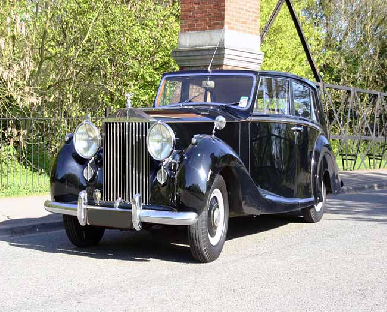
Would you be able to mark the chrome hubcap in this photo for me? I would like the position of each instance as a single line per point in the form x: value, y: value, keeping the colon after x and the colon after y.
x: 216, y: 219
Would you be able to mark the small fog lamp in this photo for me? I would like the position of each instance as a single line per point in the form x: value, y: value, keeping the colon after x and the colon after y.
x: 162, y: 176
x: 88, y: 172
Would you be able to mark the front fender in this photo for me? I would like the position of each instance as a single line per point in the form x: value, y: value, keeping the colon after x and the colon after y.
x: 201, y: 162
x: 67, y: 179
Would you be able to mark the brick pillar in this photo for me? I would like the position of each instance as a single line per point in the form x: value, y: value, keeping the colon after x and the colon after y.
x: 233, y: 24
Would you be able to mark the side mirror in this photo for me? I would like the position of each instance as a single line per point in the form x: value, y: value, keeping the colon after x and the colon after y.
x: 219, y: 124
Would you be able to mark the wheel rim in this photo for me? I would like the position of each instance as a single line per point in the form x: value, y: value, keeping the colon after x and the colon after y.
x: 215, y: 217
x: 320, y: 205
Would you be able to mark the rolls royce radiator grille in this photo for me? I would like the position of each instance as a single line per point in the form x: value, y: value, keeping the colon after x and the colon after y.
x: 126, y: 161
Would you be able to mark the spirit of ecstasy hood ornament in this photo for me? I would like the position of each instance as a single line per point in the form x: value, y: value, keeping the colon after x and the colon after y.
x: 128, y: 100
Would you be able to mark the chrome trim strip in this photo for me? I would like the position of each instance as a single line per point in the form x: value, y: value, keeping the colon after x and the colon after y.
x: 136, y: 212
x: 168, y: 217
x: 81, y: 208
x: 285, y: 119
x: 125, y: 119
x: 63, y: 208
x: 146, y: 215
x: 288, y: 201
x: 284, y: 200
x: 295, y: 128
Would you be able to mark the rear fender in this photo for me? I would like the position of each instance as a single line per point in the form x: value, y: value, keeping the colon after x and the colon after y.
x: 324, y: 162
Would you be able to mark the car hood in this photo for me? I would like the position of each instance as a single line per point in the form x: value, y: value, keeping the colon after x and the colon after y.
x: 188, y: 113
x: 187, y: 121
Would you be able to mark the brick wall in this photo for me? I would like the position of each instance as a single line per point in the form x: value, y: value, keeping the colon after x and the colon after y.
x: 239, y: 15
x: 198, y: 15
x: 243, y: 16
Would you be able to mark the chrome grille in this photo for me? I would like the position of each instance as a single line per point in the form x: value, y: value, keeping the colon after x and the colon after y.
x: 126, y: 161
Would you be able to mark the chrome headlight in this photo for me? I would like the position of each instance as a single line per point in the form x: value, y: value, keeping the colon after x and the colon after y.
x: 86, y: 139
x: 161, y: 141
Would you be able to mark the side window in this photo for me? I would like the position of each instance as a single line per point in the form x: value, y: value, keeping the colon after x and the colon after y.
x: 302, y: 99
x: 171, y: 92
x: 273, y: 96
x: 313, y: 105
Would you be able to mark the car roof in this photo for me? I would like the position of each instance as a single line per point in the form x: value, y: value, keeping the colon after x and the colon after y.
x: 254, y: 72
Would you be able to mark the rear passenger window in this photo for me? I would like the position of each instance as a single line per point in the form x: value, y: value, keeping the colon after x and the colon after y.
x: 313, y: 105
x: 273, y: 96
x: 302, y: 99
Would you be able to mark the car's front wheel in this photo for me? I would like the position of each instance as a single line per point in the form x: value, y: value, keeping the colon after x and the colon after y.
x: 314, y: 213
x: 82, y: 236
x: 207, y: 236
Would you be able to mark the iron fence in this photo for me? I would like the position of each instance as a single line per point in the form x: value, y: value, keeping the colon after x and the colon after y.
x: 28, y: 146
x: 357, y: 125
x: 356, y: 122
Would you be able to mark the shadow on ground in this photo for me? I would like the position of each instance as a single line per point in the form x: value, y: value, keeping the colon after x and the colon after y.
x: 170, y: 244
x: 167, y: 244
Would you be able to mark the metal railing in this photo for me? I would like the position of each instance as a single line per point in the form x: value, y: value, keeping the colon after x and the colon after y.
x: 357, y: 125
x: 356, y: 121
x: 28, y: 146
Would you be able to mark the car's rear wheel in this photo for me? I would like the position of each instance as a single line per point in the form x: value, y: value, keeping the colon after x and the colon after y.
x: 207, y: 236
x: 315, y: 213
x: 82, y: 236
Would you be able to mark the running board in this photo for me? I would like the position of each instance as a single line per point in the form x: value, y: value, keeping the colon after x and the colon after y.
x: 280, y: 200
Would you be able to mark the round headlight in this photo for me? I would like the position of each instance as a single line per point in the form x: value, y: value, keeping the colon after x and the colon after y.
x: 86, y: 139
x: 161, y: 141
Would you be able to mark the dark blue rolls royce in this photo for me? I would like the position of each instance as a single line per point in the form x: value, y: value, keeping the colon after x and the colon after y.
x: 215, y: 145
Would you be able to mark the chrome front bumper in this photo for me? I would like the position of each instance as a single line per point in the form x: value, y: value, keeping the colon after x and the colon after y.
x: 135, y: 216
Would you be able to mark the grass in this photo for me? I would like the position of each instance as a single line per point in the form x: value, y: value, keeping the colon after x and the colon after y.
x: 359, y: 165
x: 30, y: 176
x: 19, y: 176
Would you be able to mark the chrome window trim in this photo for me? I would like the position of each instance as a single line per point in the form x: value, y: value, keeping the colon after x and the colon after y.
x: 285, y: 119
x: 254, y: 75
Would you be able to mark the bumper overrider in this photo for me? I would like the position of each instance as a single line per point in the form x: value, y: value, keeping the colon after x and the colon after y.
x: 129, y: 217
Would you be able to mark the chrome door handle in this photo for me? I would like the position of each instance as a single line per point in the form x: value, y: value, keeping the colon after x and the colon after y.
x: 300, y: 129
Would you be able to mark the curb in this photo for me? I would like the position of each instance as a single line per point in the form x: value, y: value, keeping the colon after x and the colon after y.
x: 366, y: 187
x: 31, y: 228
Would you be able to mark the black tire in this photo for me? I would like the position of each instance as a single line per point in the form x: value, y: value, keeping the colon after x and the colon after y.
x: 207, y: 236
x: 82, y: 236
x: 315, y: 213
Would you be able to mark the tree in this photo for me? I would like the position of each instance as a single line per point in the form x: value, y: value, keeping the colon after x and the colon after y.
x: 282, y: 46
x: 79, y: 56
x: 355, y: 41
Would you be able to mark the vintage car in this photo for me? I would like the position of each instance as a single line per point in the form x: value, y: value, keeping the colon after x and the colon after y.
x: 216, y: 144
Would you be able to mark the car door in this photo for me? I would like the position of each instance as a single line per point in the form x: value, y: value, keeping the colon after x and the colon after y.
x: 306, y: 131
x: 273, y: 165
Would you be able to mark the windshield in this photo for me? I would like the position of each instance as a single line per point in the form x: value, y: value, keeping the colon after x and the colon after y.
x: 229, y: 89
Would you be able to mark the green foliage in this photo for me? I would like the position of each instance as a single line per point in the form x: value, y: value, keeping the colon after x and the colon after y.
x: 18, y: 176
x: 282, y: 46
x: 348, y: 40
x: 80, y: 56
x: 355, y: 41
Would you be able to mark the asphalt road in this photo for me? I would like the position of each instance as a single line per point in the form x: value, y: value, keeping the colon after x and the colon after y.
x: 275, y: 263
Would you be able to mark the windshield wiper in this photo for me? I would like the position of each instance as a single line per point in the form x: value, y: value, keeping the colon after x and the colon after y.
x: 192, y: 97
x: 232, y: 103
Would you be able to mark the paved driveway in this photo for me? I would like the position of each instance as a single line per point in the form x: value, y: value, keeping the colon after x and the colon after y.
x: 269, y: 263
